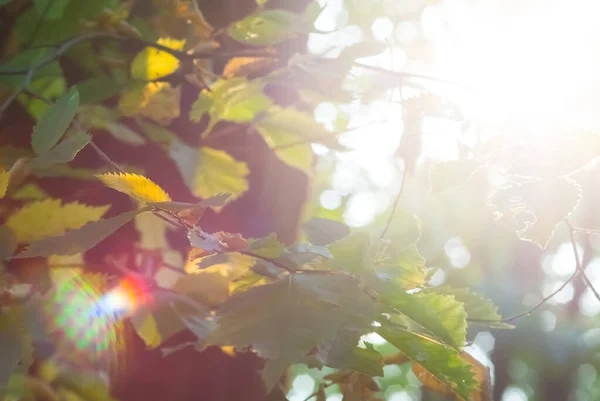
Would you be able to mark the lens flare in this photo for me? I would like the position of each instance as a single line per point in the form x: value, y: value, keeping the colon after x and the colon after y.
x: 85, y: 317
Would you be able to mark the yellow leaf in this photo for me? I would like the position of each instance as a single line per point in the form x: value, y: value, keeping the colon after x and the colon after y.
x: 4, y: 176
x: 49, y: 218
x: 218, y: 172
x: 151, y: 63
x: 158, y: 101
x: 243, y: 66
x: 137, y: 186
x: 147, y: 329
x: 228, y: 349
x: 153, y: 231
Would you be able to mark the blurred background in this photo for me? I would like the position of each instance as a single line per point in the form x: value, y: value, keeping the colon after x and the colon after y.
x: 524, y: 69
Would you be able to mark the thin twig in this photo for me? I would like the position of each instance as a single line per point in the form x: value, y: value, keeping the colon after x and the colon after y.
x: 531, y: 310
x: 592, y: 231
x: 396, y: 201
x: 578, y: 265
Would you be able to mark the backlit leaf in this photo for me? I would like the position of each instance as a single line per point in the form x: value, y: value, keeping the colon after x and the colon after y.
x: 64, y: 152
x: 435, y: 361
x: 324, y: 231
x: 244, y: 66
x: 54, y: 122
x: 283, y: 321
x: 125, y: 134
x: 477, y: 307
x: 29, y: 192
x: 406, y: 268
x: 152, y: 63
x: 440, y: 315
x: 535, y: 208
x: 268, y: 247
x: 77, y: 241
x: 351, y: 254
x: 49, y: 218
x: 267, y: 28
x: 137, y: 186
x: 218, y: 172
x: 289, y: 147
x: 451, y: 174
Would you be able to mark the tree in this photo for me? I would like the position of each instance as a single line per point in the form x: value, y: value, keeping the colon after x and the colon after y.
x: 154, y: 180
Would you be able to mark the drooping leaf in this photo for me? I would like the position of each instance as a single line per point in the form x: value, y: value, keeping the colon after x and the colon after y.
x: 77, y: 241
x: 451, y: 174
x: 440, y: 315
x: 136, y: 186
x: 535, y: 208
x: 289, y: 147
x: 54, y: 122
x: 64, y: 152
x: 268, y: 27
x: 125, y: 134
x: 435, y: 361
x: 49, y: 217
x: 152, y: 63
x: 284, y: 320
x: 478, y: 307
x: 324, y: 231
x: 268, y: 247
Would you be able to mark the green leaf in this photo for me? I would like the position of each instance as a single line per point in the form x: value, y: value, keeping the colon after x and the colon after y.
x: 324, y: 231
x: 125, y: 134
x: 282, y: 125
x: 99, y: 89
x: 289, y: 148
x: 64, y: 152
x: 210, y: 172
x: 527, y: 208
x: 237, y: 100
x: 54, y: 122
x: 29, y: 192
x: 3, y: 2
x: 477, y: 307
x: 351, y: 254
x: 406, y: 269
x: 451, y: 174
x: 443, y: 362
x: 440, y: 315
x: 50, y: 9
x: 283, y: 321
x: 268, y: 27
x: 267, y: 247
x: 404, y: 231
x: 77, y: 241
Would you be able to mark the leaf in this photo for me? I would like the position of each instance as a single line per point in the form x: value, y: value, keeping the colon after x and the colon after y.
x: 136, y: 186
x: 50, y: 9
x: 152, y: 63
x: 49, y: 217
x: 29, y: 192
x: 237, y: 100
x: 267, y: 247
x: 351, y: 254
x: 64, y: 152
x: 527, y: 208
x: 324, y: 231
x: 288, y: 147
x: 125, y: 134
x: 77, y: 241
x: 214, y: 201
x: 158, y: 101
x: 451, y: 174
x: 54, y: 122
x: 8, y: 245
x: 404, y: 231
x: 244, y: 66
x: 4, y: 178
x: 152, y: 230
x: 477, y: 307
x: 440, y: 363
x: 218, y: 172
x: 16, y: 347
x: 283, y: 321
x: 282, y: 125
x: 267, y: 28
x: 440, y: 315
x: 406, y: 269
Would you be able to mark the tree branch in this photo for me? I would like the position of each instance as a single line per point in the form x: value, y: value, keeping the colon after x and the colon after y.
x: 396, y: 201
x: 578, y: 265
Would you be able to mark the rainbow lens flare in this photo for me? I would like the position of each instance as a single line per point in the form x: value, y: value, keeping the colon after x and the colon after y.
x: 86, y: 316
